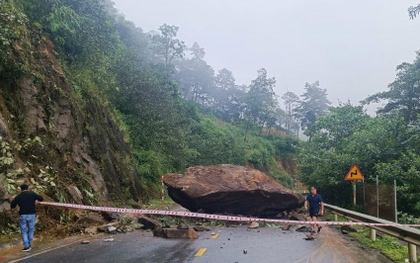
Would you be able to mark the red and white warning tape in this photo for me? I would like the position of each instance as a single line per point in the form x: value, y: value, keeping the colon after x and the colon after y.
x: 217, y: 217
x: 163, y: 190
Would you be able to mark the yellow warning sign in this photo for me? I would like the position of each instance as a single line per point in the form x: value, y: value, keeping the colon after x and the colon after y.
x: 354, y: 174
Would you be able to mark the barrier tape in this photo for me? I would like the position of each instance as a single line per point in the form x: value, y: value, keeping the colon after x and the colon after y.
x: 163, y: 190
x: 218, y: 217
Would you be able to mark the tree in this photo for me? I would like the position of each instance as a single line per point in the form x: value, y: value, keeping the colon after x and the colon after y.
x: 325, y: 159
x: 291, y: 100
x: 406, y: 171
x: 413, y: 11
x: 167, y: 45
x: 314, y: 103
x: 197, y: 52
x: 136, y: 42
x: 404, y: 93
x: 347, y: 135
x: 228, y: 97
x: 109, y: 6
x: 260, y: 101
x: 340, y: 123
x: 195, y: 77
x: 383, y: 139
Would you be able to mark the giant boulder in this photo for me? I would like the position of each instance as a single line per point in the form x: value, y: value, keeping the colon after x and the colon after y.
x: 231, y: 189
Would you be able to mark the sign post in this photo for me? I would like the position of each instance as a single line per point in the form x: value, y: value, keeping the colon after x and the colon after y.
x: 395, y: 201
x: 354, y: 193
x: 353, y: 175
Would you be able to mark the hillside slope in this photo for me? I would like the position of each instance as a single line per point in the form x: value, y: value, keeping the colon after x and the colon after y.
x: 64, y: 144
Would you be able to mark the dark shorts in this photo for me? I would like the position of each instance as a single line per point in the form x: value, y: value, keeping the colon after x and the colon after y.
x: 314, y: 213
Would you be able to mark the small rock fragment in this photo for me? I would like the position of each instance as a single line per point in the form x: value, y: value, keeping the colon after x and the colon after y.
x: 201, y: 228
x: 91, y: 230
x: 348, y: 229
x: 112, y: 229
x: 286, y: 227
x: 254, y: 225
x: 303, y: 229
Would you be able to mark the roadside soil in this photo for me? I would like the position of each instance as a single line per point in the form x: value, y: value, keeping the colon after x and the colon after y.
x: 351, y: 250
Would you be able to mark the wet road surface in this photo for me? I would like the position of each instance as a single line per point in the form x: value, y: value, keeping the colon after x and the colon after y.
x: 233, y: 244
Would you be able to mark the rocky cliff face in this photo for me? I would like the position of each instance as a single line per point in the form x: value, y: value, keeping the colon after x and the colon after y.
x: 65, y: 144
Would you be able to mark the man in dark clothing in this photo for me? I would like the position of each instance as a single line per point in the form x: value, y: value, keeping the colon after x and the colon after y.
x: 26, y: 201
x: 314, y: 201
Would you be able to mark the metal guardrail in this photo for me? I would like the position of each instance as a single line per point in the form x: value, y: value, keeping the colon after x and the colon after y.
x: 408, y: 234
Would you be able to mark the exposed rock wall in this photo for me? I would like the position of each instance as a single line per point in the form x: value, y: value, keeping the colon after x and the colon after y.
x: 80, y: 140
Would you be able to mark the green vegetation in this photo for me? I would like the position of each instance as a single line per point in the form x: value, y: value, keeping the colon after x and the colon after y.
x: 385, y: 145
x: 389, y: 246
x: 174, y: 111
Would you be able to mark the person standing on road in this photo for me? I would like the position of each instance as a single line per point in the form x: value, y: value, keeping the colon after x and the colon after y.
x: 26, y: 201
x: 316, y: 207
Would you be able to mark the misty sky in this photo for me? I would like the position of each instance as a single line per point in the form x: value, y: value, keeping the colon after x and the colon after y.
x: 351, y: 47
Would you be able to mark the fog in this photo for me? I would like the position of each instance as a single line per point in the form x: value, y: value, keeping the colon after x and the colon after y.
x: 351, y: 47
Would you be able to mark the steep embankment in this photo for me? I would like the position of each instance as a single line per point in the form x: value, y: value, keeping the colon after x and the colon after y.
x: 63, y: 144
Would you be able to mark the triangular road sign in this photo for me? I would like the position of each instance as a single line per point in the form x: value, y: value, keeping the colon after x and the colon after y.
x: 354, y: 174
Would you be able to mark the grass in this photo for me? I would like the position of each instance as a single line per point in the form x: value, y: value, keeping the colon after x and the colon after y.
x: 157, y: 203
x: 390, y: 246
x: 5, y: 238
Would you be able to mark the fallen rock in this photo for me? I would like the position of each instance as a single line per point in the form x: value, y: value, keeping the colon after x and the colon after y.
x: 253, y: 225
x: 179, y: 233
x: 109, y: 216
x: 283, y: 215
x: 157, y: 232
x: 128, y: 229
x: 112, y: 229
x: 347, y: 229
x: 303, y: 229
x: 127, y: 219
x: 91, y: 230
x: 231, y: 189
x: 183, y: 225
x: 105, y: 228
x: 201, y: 228
x: 148, y: 223
x: 286, y: 226
x: 75, y: 194
x: 299, y: 217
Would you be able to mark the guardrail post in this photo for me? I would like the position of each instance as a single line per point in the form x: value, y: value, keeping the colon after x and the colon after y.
x: 403, y: 232
x: 373, y: 234
x: 412, y: 252
x: 335, y: 217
